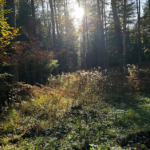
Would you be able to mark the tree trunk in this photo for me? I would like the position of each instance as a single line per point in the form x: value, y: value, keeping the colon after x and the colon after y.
x: 149, y: 8
x: 43, y: 13
x: 88, y: 46
x: 53, y: 23
x: 83, y: 57
x: 49, y: 27
x: 33, y: 16
x: 124, y: 33
x: 59, y: 27
x: 118, y: 34
x: 98, y: 32
x: 11, y: 21
x: 139, y: 35
x: 11, y: 16
x: 139, y: 39
x: 107, y: 57
x: 56, y: 21
x: 66, y: 22
x: 103, y: 38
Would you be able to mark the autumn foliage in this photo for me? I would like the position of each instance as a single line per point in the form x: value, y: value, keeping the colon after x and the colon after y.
x: 16, y: 53
x: 26, y: 52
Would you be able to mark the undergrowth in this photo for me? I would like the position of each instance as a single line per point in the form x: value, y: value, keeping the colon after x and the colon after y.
x: 82, y: 110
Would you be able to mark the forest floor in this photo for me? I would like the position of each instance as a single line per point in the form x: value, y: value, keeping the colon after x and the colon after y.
x: 83, y: 110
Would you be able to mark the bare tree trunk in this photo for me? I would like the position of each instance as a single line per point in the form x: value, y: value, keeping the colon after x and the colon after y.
x: 139, y: 36
x: 139, y: 30
x: 118, y: 33
x: 49, y: 27
x: 83, y: 57
x: 58, y: 35
x: 53, y: 23
x: 43, y: 13
x: 88, y: 46
x: 107, y: 57
x: 103, y: 38
x: 127, y: 37
x: 67, y: 32
x: 66, y: 15
x: 149, y: 8
x: 124, y: 33
x: 60, y: 42
x: 33, y: 16
x: 56, y: 21
x: 11, y: 16
x: 99, y: 44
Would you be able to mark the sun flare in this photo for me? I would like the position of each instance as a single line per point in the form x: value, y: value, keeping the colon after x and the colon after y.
x: 78, y: 12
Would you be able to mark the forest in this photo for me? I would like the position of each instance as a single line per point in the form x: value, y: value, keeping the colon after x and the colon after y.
x: 74, y: 74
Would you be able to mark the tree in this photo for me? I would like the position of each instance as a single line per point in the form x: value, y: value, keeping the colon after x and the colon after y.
x: 7, y: 42
x: 99, y: 25
x: 149, y: 8
x: 118, y: 34
x: 88, y: 44
x: 124, y: 32
x: 84, y: 52
x: 106, y: 46
x: 10, y: 16
x: 145, y: 21
x: 33, y: 17
x: 139, y: 34
x: 53, y: 23
x: 43, y: 12
x: 7, y: 33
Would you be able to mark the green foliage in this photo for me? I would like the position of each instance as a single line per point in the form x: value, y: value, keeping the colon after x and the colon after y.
x: 52, y: 65
x: 84, y: 110
x: 7, y: 34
